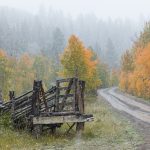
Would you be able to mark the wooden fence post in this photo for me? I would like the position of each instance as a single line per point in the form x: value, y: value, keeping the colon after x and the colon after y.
x: 57, y: 96
x: 37, y: 129
x: 81, y: 89
x: 12, y: 100
x: 35, y: 98
x: 1, y: 97
x: 75, y: 99
x: 81, y: 102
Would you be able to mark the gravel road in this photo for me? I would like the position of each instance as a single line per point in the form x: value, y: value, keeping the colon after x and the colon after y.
x: 137, y: 112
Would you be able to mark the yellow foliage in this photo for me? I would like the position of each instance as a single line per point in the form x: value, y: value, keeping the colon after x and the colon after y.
x: 123, y: 81
x: 137, y: 81
x: 2, y: 53
x: 18, y: 74
x: 77, y: 61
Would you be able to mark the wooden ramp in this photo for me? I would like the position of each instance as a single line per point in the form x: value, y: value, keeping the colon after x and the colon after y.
x: 62, y: 119
x: 63, y: 103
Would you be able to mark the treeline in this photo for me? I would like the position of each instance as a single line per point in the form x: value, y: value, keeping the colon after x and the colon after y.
x: 135, y: 66
x: 18, y: 73
x: 47, y: 32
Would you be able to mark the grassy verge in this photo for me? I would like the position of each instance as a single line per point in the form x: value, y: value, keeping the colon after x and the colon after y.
x: 108, y: 131
x: 134, y: 97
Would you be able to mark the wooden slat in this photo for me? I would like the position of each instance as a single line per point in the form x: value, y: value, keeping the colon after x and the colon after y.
x: 52, y: 90
x: 60, y: 113
x: 57, y: 96
x: 62, y: 119
x: 24, y: 100
x: 23, y: 104
x: 69, y: 95
x: 22, y: 115
x: 22, y: 109
x: 64, y: 80
x: 75, y: 99
x: 63, y: 88
x: 81, y: 90
x: 17, y: 98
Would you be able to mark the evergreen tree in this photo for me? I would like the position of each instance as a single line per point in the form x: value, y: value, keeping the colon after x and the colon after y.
x: 110, y: 54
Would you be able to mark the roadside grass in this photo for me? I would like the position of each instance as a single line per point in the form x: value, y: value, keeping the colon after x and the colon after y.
x: 133, y: 96
x: 107, y: 131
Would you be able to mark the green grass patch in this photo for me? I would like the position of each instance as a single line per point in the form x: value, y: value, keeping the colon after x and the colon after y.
x: 107, y: 131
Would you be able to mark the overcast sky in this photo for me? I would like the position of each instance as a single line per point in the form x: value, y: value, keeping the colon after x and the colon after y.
x: 132, y: 9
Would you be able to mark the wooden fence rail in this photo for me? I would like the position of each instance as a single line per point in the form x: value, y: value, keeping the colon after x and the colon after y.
x: 60, y: 104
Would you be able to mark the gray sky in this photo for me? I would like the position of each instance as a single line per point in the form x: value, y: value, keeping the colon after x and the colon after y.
x: 132, y: 9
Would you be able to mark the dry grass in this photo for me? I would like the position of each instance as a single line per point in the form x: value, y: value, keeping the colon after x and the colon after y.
x: 108, y: 131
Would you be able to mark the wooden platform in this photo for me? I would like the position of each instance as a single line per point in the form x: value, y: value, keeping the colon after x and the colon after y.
x: 39, y: 110
x: 62, y: 119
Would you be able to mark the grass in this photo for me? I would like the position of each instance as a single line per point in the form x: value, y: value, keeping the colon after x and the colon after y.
x: 107, y: 131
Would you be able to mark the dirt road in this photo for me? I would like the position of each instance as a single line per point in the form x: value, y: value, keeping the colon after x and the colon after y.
x: 137, y: 112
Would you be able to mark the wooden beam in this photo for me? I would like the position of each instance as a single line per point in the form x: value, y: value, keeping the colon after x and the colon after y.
x: 60, y: 113
x: 70, y: 127
x: 64, y: 80
x: 62, y: 119
x: 75, y: 99
x: 81, y: 97
x: 57, y: 96
x: 17, y: 98
x: 68, y: 95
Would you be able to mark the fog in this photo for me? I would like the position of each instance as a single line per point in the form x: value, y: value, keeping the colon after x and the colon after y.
x: 108, y: 27
x: 132, y: 9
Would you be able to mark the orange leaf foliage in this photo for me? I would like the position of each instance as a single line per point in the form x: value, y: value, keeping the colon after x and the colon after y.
x: 137, y: 81
x: 78, y: 61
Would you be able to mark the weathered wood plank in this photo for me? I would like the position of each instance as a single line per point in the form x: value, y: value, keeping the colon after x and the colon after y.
x: 62, y: 119
x: 68, y: 95
x: 57, y: 96
x: 23, y: 104
x: 23, y: 109
x: 26, y: 98
x: 74, y: 102
x: 64, y: 80
x: 17, y: 98
x: 60, y: 113
x: 81, y: 97
x: 52, y: 90
x: 63, y: 88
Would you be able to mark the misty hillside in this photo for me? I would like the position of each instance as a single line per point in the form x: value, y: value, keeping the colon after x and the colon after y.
x: 47, y: 32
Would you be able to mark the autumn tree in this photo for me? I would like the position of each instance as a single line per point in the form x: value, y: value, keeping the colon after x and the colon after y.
x: 18, y: 73
x: 43, y: 69
x: 5, y: 73
x: 77, y: 61
x: 113, y: 79
x: 135, y: 68
x: 144, y: 38
x: 142, y: 72
x: 25, y: 75
x: 104, y: 74
x: 127, y: 66
x: 127, y: 62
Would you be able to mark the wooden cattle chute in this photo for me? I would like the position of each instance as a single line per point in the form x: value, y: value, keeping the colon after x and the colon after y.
x: 38, y: 110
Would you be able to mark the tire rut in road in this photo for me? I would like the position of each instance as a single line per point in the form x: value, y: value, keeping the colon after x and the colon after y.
x: 142, y: 127
x: 116, y: 103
